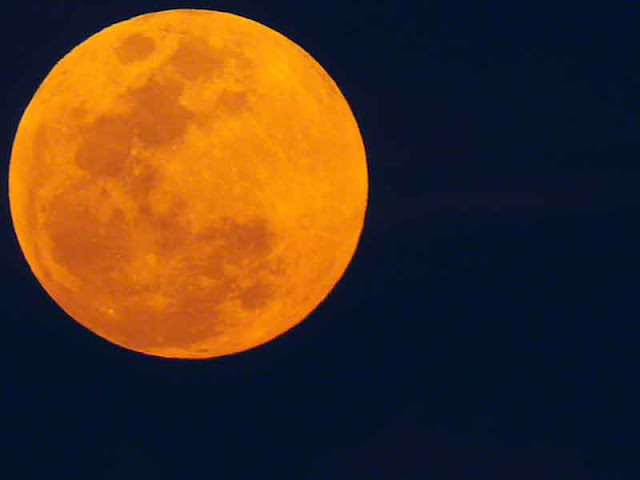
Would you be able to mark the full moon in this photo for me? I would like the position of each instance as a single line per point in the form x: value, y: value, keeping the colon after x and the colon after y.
x: 188, y: 184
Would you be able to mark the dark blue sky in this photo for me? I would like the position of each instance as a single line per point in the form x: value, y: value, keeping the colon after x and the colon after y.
x: 485, y: 327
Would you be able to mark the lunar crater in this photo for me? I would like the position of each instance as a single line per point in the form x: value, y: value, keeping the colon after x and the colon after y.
x: 135, y: 48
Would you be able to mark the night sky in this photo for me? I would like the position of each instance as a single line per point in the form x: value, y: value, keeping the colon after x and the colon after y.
x: 487, y: 326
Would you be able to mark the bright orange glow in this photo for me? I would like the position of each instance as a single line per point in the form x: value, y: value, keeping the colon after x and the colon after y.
x: 188, y: 184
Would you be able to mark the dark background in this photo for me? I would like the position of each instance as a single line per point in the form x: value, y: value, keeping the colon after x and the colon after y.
x: 484, y: 327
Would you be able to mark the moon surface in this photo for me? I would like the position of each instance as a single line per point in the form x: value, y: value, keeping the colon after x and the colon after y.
x: 188, y: 184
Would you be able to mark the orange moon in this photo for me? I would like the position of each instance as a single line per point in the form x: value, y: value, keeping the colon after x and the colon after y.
x: 188, y: 184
